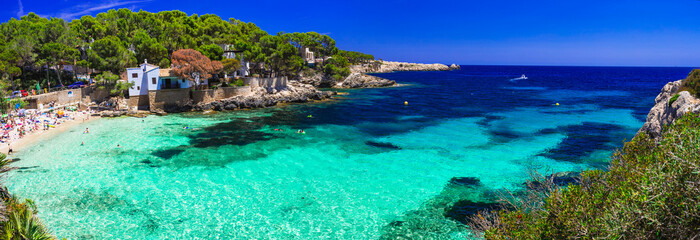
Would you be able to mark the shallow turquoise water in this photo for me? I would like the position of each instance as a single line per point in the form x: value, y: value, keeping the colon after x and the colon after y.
x: 231, y: 176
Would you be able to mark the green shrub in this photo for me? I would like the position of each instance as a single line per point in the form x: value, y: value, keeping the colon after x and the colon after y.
x: 239, y: 83
x: 673, y: 99
x: 649, y: 192
x: 692, y: 83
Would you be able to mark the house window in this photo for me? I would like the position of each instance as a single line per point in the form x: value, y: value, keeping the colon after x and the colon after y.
x: 134, y: 75
x: 138, y: 88
x: 153, y: 80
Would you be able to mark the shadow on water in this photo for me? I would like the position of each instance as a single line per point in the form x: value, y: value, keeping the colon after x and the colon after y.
x: 584, y: 139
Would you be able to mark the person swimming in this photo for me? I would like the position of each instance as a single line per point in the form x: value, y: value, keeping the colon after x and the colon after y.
x: 82, y: 144
x: 87, y: 130
x: 301, y: 131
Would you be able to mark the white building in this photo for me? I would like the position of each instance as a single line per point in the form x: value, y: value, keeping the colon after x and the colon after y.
x: 308, y: 56
x: 230, y: 53
x: 149, y: 77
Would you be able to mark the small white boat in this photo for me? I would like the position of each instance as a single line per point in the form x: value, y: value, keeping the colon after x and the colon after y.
x: 523, y: 77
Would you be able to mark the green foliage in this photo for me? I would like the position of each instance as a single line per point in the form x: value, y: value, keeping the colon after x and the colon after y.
x: 356, y: 57
x: 22, y: 223
x: 337, y: 66
x: 107, y: 78
x: 13, y: 103
x: 116, y: 39
x: 649, y: 192
x: 673, y: 99
x: 148, y: 48
x: 692, y: 83
x: 238, y: 83
x: 212, y: 51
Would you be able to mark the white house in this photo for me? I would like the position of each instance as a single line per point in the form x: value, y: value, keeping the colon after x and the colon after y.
x: 230, y: 53
x: 307, y: 55
x: 149, y: 77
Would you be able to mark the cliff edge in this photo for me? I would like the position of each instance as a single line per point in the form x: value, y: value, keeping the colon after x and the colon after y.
x: 669, y: 105
x: 359, y: 79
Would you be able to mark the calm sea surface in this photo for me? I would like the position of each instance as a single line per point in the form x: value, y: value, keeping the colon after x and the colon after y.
x: 368, y: 166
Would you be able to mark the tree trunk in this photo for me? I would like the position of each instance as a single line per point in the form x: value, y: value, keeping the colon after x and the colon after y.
x: 58, y: 73
x: 48, y: 81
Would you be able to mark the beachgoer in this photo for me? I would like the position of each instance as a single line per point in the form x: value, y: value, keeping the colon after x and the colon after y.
x: 82, y: 144
x: 118, y: 146
x: 9, y: 151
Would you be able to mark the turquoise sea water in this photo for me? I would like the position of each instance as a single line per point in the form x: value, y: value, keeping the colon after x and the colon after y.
x: 368, y: 167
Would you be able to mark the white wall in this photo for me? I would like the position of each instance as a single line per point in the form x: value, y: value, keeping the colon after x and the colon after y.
x: 139, y: 88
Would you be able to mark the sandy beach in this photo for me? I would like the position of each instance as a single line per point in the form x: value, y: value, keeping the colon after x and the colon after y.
x: 34, y: 137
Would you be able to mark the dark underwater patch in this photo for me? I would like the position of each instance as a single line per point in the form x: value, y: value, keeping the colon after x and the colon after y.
x: 465, y: 181
x: 167, y: 153
x: 382, y: 145
x: 582, y: 140
x: 465, y: 208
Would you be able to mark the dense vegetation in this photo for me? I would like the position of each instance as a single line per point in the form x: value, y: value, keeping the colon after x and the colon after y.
x: 33, y: 49
x: 650, y: 192
x: 692, y: 83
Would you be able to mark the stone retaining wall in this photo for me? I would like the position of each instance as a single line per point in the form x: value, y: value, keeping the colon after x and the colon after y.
x: 64, y: 97
x: 205, y: 96
x: 168, y: 98
x: 277, y: 83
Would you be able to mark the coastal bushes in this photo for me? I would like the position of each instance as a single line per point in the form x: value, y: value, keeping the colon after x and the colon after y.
x: 673, y: 99
x: 692, y: 83
x: 337, y: 67
x: 649, y: 192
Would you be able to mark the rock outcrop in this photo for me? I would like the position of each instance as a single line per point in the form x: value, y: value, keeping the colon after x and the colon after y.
x: 316, y: 79
x: 359, y: 80
x: 295, y: 92
x: 666, y: 111
x: 386, y: 66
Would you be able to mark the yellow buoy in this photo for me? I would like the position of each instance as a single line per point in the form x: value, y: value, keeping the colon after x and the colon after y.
x: 557, y: 104
x: 405, y: 103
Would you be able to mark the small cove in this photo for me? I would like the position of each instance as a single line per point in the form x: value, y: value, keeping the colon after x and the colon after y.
x: 367, y: 167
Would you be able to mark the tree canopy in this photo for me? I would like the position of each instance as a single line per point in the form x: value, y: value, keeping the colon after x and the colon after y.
x: 33, y: 46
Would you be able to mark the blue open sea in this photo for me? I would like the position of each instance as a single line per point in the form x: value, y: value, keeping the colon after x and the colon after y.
x: 368, y: 166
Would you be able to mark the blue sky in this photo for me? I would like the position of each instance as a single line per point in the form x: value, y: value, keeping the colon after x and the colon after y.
x: 498, y: 32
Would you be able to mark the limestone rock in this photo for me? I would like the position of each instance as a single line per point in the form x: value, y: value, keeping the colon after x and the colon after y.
x: 454, y: 67
x: 663, y: 113
x: 296, y: 92
x: 360, y: 80
x: 386, y: 66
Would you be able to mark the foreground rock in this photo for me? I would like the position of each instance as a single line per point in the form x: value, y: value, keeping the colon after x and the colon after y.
x: 295, y: 92
x: 665, y: 112
x: 359, y: 80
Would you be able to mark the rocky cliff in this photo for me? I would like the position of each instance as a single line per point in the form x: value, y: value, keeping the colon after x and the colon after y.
x: 358, y: 78
x: 260, y: 97
x: 386, y: 66
x: 669, y: 105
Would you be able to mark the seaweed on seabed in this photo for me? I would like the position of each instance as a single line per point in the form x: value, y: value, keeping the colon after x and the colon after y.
x: 443, y: 215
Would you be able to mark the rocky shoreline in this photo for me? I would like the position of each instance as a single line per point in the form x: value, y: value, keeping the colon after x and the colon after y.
x: 295, y: 92
x: 387, y: 66
x: 359, y: 78
x: 666, y: 110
